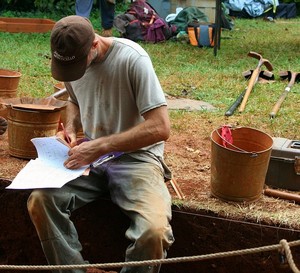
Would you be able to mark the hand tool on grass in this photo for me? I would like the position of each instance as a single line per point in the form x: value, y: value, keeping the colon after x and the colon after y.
x: 263, y: 74
x: 293, y: 77
x: 282, y: 195
x: 254, y: 76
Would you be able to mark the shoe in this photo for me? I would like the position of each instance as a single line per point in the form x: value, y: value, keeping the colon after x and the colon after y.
x: 106, y: 32
x: 96, y: 270
x: 3, y: 125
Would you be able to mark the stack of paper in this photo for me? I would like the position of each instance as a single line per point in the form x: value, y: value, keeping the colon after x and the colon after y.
x: 46, y: 171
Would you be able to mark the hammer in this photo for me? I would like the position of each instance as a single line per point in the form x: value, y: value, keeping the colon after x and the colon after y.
x: 292, y: 77
x: 254, y: 76
x: 264, y: 74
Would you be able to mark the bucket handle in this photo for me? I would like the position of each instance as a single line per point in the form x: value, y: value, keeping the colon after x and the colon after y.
x: 252, y: 154
x: 23, y: 109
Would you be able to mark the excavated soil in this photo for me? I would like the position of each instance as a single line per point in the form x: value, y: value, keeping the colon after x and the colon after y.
x: 202, y: 223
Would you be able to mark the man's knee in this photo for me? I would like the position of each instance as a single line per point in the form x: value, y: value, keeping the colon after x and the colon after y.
x: 161, y: 237
x: 35, y: 203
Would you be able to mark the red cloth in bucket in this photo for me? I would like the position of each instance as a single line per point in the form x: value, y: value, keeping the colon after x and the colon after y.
x: 226, y: 135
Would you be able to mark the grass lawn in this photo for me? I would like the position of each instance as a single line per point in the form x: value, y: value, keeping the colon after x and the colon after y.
x: 191, y: 72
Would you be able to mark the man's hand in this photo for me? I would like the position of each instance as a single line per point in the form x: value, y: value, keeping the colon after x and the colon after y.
x: 82, y: 154
x: 155, y: 128
x: 70, y: 140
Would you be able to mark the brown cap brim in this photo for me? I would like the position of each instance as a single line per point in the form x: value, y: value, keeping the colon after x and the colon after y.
x: 68, y: 73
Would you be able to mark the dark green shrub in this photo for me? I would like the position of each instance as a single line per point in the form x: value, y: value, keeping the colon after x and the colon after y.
x: 17, y: 5
x: 53, y: 6
x: 61, y: 6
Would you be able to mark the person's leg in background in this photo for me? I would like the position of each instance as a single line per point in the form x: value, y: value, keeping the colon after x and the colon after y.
x: 107, y: 10
x: 107, y: 13
x: 83, y: 7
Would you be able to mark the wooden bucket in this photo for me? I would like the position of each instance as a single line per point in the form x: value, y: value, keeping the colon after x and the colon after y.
x: 24, y: 124
x: 9, y: 82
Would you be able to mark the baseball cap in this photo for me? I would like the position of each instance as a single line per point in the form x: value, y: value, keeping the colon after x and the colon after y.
x: 71, y: 41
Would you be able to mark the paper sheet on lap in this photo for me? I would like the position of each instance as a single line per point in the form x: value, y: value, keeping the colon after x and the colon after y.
x: 46, y: 171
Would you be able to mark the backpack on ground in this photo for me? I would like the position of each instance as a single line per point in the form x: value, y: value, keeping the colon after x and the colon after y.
x: 201, y: 34
x: 187, y: 16
x: 142, y: 23
x: 193, y: 15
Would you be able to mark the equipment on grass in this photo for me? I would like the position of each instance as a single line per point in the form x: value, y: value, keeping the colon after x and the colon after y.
x: 263, y: 74
x: 254, y: 76
x: 292, y: 77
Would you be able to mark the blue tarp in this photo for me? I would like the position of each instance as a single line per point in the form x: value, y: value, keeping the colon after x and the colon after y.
x: 253, y: 8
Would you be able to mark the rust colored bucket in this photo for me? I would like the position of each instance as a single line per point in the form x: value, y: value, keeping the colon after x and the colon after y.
x: 238, y: 171
x: 59, y: 86
x: 23, y: 125
x: 9, y: 82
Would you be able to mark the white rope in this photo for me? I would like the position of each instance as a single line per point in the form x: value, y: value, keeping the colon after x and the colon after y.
x: 287, y: 252
x: 283, y: 247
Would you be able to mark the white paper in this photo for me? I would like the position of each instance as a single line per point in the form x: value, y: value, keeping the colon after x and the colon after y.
x: 46, y: 171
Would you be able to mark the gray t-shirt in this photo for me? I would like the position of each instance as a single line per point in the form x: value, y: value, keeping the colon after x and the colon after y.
x: 114, y: 93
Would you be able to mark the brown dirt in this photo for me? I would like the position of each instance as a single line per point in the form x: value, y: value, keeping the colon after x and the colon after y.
x: 188, y: 154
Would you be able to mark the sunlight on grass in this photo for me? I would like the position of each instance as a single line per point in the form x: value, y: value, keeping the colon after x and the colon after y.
x: 192, y: 72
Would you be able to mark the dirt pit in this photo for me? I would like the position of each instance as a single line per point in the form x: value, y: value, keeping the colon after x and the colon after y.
x: 202, y: 223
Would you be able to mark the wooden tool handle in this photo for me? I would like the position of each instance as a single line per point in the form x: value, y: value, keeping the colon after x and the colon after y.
x: 282, y: 195
x: 278, y: 104
x: 292, y: 80
x: 252, y: 81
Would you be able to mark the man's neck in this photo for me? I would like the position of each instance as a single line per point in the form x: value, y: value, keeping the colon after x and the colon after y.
x: 103, y: 46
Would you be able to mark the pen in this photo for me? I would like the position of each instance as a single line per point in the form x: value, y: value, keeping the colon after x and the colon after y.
x: 65, y: 133
x: 102, y: 160
x: 106, y: 158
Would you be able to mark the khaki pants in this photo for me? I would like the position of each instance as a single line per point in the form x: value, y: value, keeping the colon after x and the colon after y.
x: 136, y: 186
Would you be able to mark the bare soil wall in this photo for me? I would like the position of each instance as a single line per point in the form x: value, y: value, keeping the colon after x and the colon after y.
x: 101, y: 228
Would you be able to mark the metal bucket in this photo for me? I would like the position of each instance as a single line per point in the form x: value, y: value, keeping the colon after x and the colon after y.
x: 9, y: 82
x: 23, y: 125
x: 238, y: 171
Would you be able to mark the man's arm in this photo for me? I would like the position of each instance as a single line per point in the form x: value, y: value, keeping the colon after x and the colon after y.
x: 73, y: 123
x: 155, y: 128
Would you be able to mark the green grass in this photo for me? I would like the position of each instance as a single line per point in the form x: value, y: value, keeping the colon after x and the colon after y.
x: 187, y: 71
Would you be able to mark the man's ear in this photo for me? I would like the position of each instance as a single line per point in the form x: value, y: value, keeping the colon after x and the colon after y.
x: 95, y: 43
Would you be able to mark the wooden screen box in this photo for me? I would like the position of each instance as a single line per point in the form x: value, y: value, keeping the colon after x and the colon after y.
x: 25, y: 25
